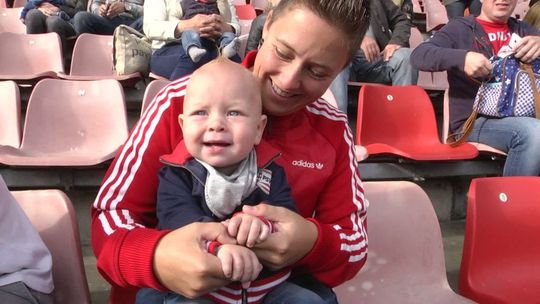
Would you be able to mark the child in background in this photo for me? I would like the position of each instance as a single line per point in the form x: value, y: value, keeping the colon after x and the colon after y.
x: 191, y: 40
x: 221, y: 165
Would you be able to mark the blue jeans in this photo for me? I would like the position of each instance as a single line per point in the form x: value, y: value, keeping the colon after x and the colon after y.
x: 303, y: 289
x: 457, y: 8
x: 172, y: 62
x: 87, y: 22
x: 396, y: 71
x: 519, y: 137
x: 191, y: 38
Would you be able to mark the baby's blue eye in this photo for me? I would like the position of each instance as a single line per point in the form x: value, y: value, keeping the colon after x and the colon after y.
x: 233, y: 113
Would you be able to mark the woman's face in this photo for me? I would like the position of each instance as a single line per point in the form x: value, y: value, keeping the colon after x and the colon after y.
x: 298, y: 60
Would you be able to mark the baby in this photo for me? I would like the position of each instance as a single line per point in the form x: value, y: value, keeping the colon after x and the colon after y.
x: 221, y: 164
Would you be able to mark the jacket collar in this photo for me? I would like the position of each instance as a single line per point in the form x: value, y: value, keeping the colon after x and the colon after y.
x: 266, y: 153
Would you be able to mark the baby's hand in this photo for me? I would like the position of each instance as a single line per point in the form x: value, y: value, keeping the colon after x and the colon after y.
x: 247, y: 229
x: 239, y: 263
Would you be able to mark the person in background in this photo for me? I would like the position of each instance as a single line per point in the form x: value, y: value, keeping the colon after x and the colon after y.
x: 456, y: 8
x: 32, y: 4
x: 463, y: 48
x: 25, y: 261
x: 106, y: 15
x: 384, y: 54
x: 46, y: 17
x: 325, y: 244
x: 191, y: 40
x: 255, y: 32
x: 165, y: 25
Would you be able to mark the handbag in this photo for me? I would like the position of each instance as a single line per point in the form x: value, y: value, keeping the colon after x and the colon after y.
x: 512, y: 90
x: 131, y: 51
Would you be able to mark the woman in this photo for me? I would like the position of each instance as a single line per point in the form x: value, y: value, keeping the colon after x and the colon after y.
x: 163, y: 24
x: 45, y: 19
x: 295, y: 65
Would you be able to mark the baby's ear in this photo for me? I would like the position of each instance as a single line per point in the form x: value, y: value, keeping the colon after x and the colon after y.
x: 260, y: 128
x: 181, y: 120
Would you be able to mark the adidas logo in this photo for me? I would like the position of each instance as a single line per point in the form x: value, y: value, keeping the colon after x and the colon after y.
x: 305, y: 164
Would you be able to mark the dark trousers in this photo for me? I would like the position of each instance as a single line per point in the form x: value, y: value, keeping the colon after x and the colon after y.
x: 86, y: 22
x: 457, y: 9
x: 19, y: 293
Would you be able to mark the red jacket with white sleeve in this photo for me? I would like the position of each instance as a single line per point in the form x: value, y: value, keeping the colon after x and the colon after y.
x: 318, y: 158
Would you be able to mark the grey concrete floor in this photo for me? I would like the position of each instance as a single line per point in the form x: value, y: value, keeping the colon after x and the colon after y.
x: 452, y: 233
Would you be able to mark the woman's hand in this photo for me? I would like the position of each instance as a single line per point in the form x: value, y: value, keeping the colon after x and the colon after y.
x: 182, y: 264
x: 293, y: 238
x: 48, y: 9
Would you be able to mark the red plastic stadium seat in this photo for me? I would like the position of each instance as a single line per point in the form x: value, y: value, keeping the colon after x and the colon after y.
x: 27, y: 58
x: 70, y: 123
x: 245, y: 12
x: 446, y: 125
x: 92, y: 59
x: 10, y: 114
x: 405, y: 262
x: 501, y: 248
x: 53, y: 216
x: 151, y: 91
x: 400, y: 120
x: 9, y: 20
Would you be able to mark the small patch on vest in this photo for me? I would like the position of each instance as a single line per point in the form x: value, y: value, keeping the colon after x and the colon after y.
x: 264, y: 178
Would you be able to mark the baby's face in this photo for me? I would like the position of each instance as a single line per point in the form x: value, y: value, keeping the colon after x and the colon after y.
x: 222, y: 119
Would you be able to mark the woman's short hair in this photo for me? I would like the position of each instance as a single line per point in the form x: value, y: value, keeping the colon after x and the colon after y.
x: 350, y: 16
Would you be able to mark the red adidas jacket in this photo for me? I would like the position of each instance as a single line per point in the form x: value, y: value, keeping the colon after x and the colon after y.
x: 318, y: 158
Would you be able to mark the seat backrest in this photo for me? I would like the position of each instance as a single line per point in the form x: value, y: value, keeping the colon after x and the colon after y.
x: 53, y: 216
x: 245, y: 12
x: 395, y: 115
x: 436, y: 16
x: 501, y: 249
x: 259, y: 5
x: 521, y: 9
x: 79, y: 118
x: 9, y: 20
x: 92, y: 56
x: 405, y: 248
x: 416, y: 37
x: 19, y: 3
x: 151, y: 91
x: 29, y: 54
x: 10, y: 114
x: 330, y: 98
